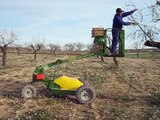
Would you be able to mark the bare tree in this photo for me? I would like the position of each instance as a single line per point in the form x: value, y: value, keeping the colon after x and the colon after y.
x: 6, y: 38
x: 37, y: 46
x: 70, y: 48
x: 18, y: 48
x: 155, y: 11
x: 89, y: 47
x: 149, y: 30
x: 79, y: 47
x: 54, y: 48
x: 138, y: 46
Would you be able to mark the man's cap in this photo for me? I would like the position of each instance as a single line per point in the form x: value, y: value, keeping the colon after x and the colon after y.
x: 119, y: 10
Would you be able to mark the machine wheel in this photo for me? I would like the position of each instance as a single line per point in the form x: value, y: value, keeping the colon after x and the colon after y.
x: 85, y: 95
x: 29, y: 91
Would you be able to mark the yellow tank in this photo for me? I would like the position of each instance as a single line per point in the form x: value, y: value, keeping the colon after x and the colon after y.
x: 68, y: 83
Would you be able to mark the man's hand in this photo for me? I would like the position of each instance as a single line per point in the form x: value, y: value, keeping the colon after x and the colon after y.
x: 135, y: 23
x: 135, y: 9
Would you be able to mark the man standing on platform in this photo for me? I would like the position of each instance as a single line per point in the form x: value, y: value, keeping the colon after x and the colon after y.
x: 117, y: 27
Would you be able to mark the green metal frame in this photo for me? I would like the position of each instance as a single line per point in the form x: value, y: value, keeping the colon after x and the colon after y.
x: 106, y: 51
x: 49, y: 81
x: 122, y: 43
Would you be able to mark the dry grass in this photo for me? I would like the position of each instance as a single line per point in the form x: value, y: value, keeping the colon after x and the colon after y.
x: 129, y: 92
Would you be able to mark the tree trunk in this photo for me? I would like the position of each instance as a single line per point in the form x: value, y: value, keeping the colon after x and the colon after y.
x: 54, y: 52
x: 18, y: 51
x: 4, y: 56
x: 35, y: 55
x: 138, y: 53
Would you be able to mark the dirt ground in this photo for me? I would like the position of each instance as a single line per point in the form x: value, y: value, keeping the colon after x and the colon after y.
x: 130, y: 91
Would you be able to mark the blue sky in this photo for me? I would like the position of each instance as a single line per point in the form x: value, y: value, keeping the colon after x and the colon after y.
x: 59, y: 21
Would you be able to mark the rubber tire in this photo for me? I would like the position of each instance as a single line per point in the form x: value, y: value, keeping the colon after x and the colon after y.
x: 32, y: 91
x: 85, y: 90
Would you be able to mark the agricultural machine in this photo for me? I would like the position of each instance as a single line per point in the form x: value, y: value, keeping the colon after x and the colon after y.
x: 65, y: 85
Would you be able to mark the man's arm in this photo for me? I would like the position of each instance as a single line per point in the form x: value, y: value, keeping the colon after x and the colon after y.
x: 125, y: 14
x: 122, y: 22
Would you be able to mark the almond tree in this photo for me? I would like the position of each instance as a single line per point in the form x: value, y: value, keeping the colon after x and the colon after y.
x: 70, y: 47
x: 138, y: 46
x: 18, y: 47
x: 37, y: 46
x: 89, y: 47
x: 6, y: 38
x: 79, y: 47
x: 54, y: 48
x: 148, y: 27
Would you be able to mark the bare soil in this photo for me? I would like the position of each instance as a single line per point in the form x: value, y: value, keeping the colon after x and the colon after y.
x: 130, y: 91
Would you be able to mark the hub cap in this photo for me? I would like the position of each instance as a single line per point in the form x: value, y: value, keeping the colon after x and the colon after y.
x: 86, y: 95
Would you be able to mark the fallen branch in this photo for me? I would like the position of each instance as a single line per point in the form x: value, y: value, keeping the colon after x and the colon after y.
x: 152, y: 44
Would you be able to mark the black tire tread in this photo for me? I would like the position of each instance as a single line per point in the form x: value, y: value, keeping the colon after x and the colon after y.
x: 80, y: 100
x: 30, y: 87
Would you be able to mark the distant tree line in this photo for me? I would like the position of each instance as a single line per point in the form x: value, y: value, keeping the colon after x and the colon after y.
x: 8, y: 38
x: 145, y: 32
